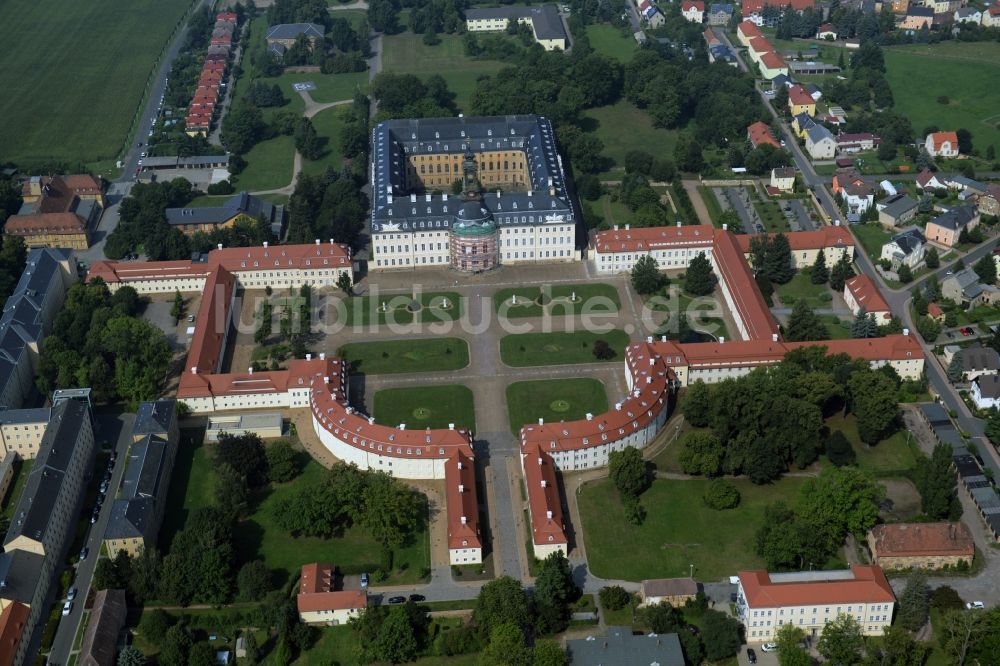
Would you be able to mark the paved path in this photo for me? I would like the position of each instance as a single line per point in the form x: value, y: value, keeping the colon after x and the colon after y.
x: 691, y: 187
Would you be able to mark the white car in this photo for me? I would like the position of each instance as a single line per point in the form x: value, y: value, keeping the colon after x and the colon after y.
x: 975, y: 605
x: 769, y: 647
x: 67, y: 608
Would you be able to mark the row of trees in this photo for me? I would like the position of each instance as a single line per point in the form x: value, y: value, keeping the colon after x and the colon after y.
x: 327, y: 205
x: 13, y: 258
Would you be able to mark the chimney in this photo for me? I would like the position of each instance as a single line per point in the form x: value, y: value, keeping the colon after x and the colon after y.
x: 725, y: 226
x: 530, y: 193
x: 451, y: 426
x: 461, y: 488
x: 548, y: 514
x: 774, y: 337
x: 309, y: 357
x: 401, y: 426
x: 250, y: 369
x: 371, y: 420
x: 544, y: 485
x: 616, y: 227
x: 663, y: 338
x: 427, y: 197
x: 326, y: 380
x: 331, y: 241
x: 541, y: 421
x: 194, y: 370
x: 322, y: 356
x: 413, y: 198
x: 464, y: 519
x: 627, y: 226
x: 539, y: 460
x: 906, y: 331
x: 649, y: 339
x: 618, y: 406
x: 460, y: 464
x: 219, y: 246
x: 722, y: 340
x: 265, y: 243
x: 590, y: 417
x: 444, y: 197
x: 678, y: 223
x: 317, y: 241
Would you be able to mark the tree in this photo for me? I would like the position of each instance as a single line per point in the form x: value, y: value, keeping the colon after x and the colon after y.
x: 628, y: 471
x: 842, y: 272
x: 344, y: 282
x: 307, y: 141
x: 614, y: 597
x: 928, y: 329
x: 395, y: 641
x: 242, y: 127
x: 554, y: 591
x: 282, y: 462
x: 661, y: 617
x: 253, y: 581
x: 964, y: 141
x: 913, y: 603
x: 898, y: 648
x: 956, y: 368
x: 841, y: 641
x: 778, y: 264
x: 839, y: 450
x: 720, y: 495
x: 839, y: 501
x: 154, y: 625
x: 720, y: 634
x: 646, y: 276
x: 702, y: 453
x: 175, y: 647
x: 696, y: 404
x: 873, y: 401
x: 820, y: 274
x: 959, y: 632
x: 245, y: 453
x: 131, y: 656
x: 986, y: 269
x: 945, y: 598
x: 603, y: 351
x: 937, y: 485
x: 202, y: 654
x: 232, y: 495
x: 932, y: 258
x: 789, y: 639
x: 699, y: 280
x: 803, y: 324
x: 500, y: 601
x: 887, y: 150
x: 392, y: 510
x: 548, y: 653
x: 506, y: 647
x: 177, y: 309
x: 905, y: 274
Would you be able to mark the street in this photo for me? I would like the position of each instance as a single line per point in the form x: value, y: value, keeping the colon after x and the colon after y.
x: 119, y: 427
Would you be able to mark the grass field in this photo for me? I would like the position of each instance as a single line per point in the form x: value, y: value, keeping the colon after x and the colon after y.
x: 554, y: 400
x: 590, y: 298
x: 74, y: 76
x: 269, y: 165
x: 897, y: 453
x: 562, y: 348
x: 609, y: 40
x: 679, y: 530
x: 613, y: 212
x: 801, y: 287
x: 366, y: 310
x: 835, y: 328
x: 339, y: 645
x: 327, y: 123
x: 193, y: 484
x: 329, y: 87
x: 401, y: 356
x: 426, y: 407
x: 622, y: 127
x: 406, y: 53
x: 919, y: 74
x: 872, y: 237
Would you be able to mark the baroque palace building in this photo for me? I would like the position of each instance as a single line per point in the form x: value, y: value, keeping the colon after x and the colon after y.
x: 513, y: 207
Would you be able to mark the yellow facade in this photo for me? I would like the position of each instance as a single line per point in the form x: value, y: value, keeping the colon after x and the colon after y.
x: 498, y: 169
x: 80, y: 241
x: 132, y: 547
x: 796, y: 109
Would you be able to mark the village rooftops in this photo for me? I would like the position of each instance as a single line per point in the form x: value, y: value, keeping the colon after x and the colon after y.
x: 759, y: 352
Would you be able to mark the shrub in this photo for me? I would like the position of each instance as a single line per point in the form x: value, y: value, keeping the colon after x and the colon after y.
x: 222, y: 187
x: 946, y: 598
x: 614, y: 597
x: 720, y: 495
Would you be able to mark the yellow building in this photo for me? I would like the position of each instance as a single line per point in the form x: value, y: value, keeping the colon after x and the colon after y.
x: 545, y: 22
x: 800, y: 101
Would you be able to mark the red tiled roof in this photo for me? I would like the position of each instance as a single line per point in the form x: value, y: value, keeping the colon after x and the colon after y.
x: 760, y: 44
x: 866, y: 294
x: 934, y: 310
x: 213, y: 321
x: 749, y: 29
x: 772, y: 60
x: 328, y: 601
x: 922, y: 540
x: 316, y: 578
x: 547, y: 526
x: 938, y: 139
x: 836, y: 236
x: 45, y: 223
x: 463, y: 506
x: 868, y: 585
x: 226, y: 16
x: 12, y: 622
x: 693, y: 4
x: 759, y: 133
x: 756, y: 6
x: 826, y: 27
x: 710, y: 37
x: 798, y: 95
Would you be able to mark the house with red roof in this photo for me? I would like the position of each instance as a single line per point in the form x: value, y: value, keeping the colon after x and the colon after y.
x: 320, y: 603
x: 826, y: 31
x: 991, y: 16
x: 800, y: 101
x: 465, y: 545
x: 746, y: 31
x: 928, y: 180
x: 548, y: 528
x: 941, y: 144
x: 861, y: 295
x: 760, y: 133
x: 811, y: 599
x: 693, y: 10
x: 772, y: 65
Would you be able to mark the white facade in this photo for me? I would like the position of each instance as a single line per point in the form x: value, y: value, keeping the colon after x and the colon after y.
x: 823, y: 149
x: 460, y: 556
x: 693, y: 13
x: 945, y: 149
x: 763, y: 623
x: 983, y: 402
x: 858, y: 203
x: 332, y: 617
x: 893, y: 253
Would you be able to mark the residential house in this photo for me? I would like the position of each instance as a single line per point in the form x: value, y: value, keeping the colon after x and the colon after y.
x: 779, y: 82
x: 900, y: 6
x: 966, y: 186
x: 861, y: 295
x: 653, y: 17
x: 465, y: 545
x: 800, y: 101
x: 693, y: 10
x: 544, y: 20
x: 746, y: 31
x: 241, y: 208
x: 928, y: 180
x: 917, y: 18
x: 968, y: 15
x: 946, y: 228
x: 760, y: 133
x: 921, y: 545
x: 21, y: 431
x: 965, y: 288
x: 814, y: 91
x: 548, y: 529
x: 858, y: 197
x: 991, y: 16
x: 905, y: 249
x: 820, y: 143
x: 722, y: 53
x: 621, y: 646
x: 266, y: 425
x: 107, y: 619
x: 674, y: 591
x: 138, y: 509
x: 783, y: 179
x: 943, y: 7
x: 771, y: 65
x: 801, y: 125
x: 979, y: 362
x: 58, y: 211
x: 286, y: 34
x: 989, y: 203
x: 985, y: 391
x: 935, y: 312
x: 826, y: 31
x: 941, y: 144
x: 897, y: 210
x: 320, y: 603
x: 765, y: 602
x: 855, y: 143
x: 720, y: 14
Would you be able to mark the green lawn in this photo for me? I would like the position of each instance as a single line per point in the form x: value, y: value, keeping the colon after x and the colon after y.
x: 919, y: 74
x: 269, y: 165
x: 896, y: 454
x: 679, y: 530
x: 339, y: 645
x: 401, y: 356
x: 591, y: 298
x: 426, y: 407
x: 192, y: 483
x: 622, y: 127
x: 554, y: 400
x: 836, y: 328
x: 526, y: 349
x: 801, y: 287
x: 327, y: 123
x: 74, y: 76
x: 406, y: 53
x: 329, y: 87
x: 610, y: 41
x: 711, y: 203
x: 368, y: 310
x: 612, y: 212
x: 872, y: 237
x: 771, y: 216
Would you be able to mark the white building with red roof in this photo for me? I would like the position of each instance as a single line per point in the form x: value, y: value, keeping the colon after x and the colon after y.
x: 942, y: 144
x: 465, y: 545
x: 548, y: 528
x: 320, y: 603
x: 861, y: 294
x: 693, y: 10
x: 811, y: 599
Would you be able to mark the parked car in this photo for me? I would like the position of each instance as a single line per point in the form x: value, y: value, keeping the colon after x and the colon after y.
x: 364, y: 580
x: 71, y: 595
x: 769, y: 647
x: 751, y: 656
x: 397, y: 600
x: 84, y: 553
x: 417, y: 598
x: 67, y: 608
x: 975, y: 605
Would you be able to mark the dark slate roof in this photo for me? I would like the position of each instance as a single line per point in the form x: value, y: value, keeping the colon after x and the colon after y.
x: 966, y: 466
x: 45, y: 482
x: 818, y: 133
x: 935, y: 414
x: 948, y: 434
x: 980, y: 358
x: 155, y: 417
x: 621, y: 648
x: 909, y: 240
x: 898, y: 205
x: 394, y: 209
x: 720, y: 7
x: 100, y: 641
x: 293, y: 30
x: 956, y: 218
x: 989, y: 385
x: 545, y: 19
x: 20, y: 575
x: 967, y: 183
x: 148, y: 466
x: 38, y: 415
x: 243, y: 202
x: 920, y: 11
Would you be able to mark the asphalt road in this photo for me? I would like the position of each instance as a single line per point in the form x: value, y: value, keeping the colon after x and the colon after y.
x: 119, y: 426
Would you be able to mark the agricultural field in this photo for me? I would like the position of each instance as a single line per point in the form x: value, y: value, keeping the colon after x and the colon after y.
x: 73, y: 78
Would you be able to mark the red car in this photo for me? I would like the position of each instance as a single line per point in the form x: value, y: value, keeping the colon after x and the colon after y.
x: 967, y: 331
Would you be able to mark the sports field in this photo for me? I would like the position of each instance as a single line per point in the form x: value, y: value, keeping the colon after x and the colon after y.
x: 74, y: 74
x: 960, y: 71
